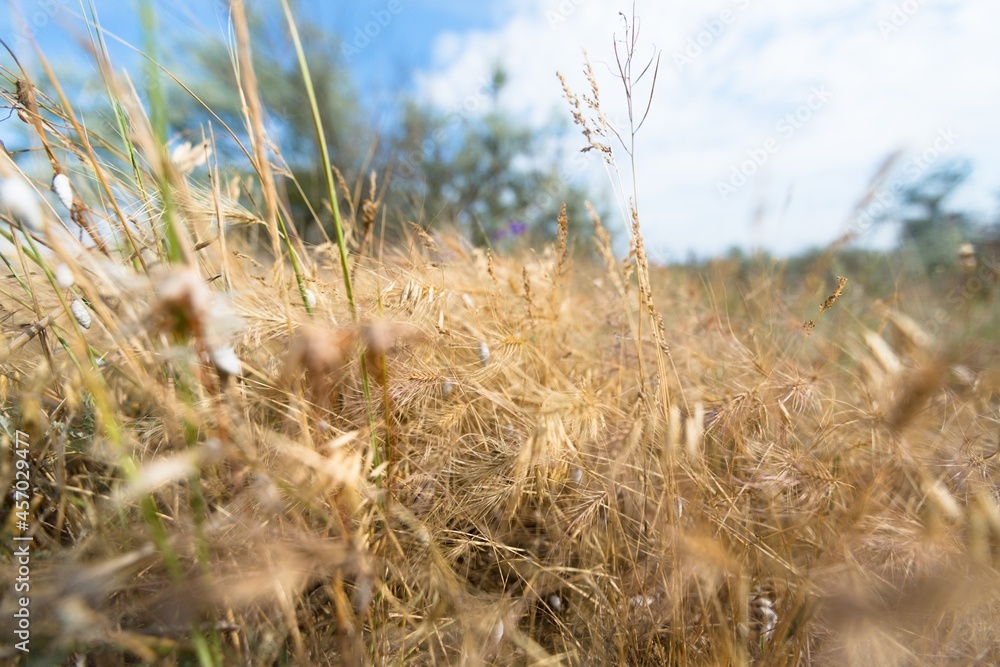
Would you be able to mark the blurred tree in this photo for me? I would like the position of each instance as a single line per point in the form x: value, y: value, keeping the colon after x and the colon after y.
x: 932, y: 232
x: 990, y: 241
x: 207, y: 68
x: 480, y: 169
x: 484, y: 171
x: 929, y: 233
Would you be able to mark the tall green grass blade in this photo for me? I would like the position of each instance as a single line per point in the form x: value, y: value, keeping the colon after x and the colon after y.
x: 338, y: 224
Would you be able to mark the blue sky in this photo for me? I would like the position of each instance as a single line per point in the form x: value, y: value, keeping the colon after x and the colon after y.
x: 402, y: 45
x: 769, y: 118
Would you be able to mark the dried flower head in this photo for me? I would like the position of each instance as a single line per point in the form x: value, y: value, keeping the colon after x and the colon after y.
x: 183, y: 304
x: 379, y: 338
x: 321, y: 356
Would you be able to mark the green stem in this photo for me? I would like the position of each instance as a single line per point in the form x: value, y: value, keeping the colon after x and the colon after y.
x: 338, y: 224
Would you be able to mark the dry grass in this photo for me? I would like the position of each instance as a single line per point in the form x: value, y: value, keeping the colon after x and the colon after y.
x: 480, y: 469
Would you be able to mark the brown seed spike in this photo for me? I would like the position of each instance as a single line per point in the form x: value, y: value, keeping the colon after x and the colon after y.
x: 527, y: 291
x: 830, y: 300
x: 562, y: 236
x: 826, y: 305
x: 490, y: 269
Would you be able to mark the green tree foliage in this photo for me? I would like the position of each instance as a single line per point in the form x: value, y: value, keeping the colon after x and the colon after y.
x: 208, y: 71
x: 481, y: 170
x: 927, y: 229
x: 486, y: 172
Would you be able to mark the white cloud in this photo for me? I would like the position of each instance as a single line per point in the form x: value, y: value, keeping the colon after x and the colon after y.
x: 892, y: 87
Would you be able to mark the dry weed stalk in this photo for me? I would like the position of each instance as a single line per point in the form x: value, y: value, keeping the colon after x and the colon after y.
x: 598, y: 130
x: 826, y: 305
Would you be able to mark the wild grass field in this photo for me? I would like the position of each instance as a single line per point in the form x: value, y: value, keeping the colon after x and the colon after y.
x: 244, y: 450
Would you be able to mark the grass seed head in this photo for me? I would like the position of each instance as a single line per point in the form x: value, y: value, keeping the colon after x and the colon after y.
x: 187, y: 157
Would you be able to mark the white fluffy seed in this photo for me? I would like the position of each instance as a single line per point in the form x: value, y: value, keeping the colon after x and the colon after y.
x: 80, y: 312
x: 64, y: 190
x: 64, y: 277
x: 484, y: 353
x: 225, y: 361
x: 310, y: 298
x: 764, y: 616
x: 18, y: 201
x: 497, y: 633
x: 641, y: 601
x: 447, y: 387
